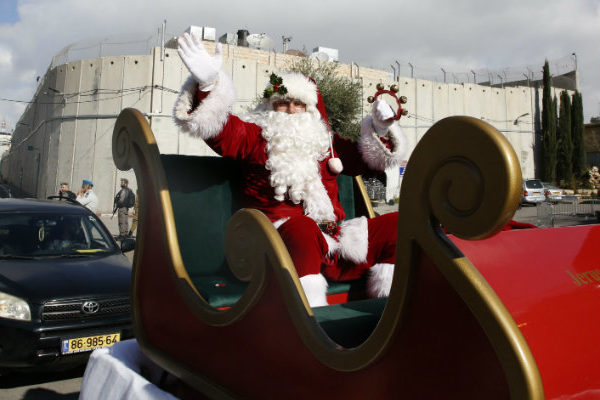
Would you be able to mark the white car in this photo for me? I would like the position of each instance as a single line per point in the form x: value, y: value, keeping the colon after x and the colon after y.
x: 533, y: 192
x: 552, y: 193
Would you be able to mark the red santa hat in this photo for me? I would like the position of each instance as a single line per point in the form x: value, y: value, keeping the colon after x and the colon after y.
x: 296, y: 86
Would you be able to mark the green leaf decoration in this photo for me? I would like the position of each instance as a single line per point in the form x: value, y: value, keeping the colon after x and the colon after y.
x: 268, y: 92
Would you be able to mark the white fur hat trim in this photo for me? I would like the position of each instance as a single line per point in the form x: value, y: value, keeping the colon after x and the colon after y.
x: 298, y: 87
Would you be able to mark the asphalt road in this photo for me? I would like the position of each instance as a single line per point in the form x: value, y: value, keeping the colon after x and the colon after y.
x: 41, y: 385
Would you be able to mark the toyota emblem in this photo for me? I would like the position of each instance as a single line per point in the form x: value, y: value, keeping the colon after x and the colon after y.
x: 90, y: 307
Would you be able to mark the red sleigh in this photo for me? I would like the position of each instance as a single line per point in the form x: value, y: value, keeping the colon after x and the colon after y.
x: 218, y: 304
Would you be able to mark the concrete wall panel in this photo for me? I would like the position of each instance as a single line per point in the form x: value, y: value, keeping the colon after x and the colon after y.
x: 441, y: 101
x: 69, y: 126
x: 167, y: 140
x: 245, y: 82
x: 166, y: 87
x: 50, y: 187
x: 497, y: 108
x: 456, y: 99
x: 410, y: 122
x: 424, y: 106
x: 85, y: 135
x: 56, y: 82
x: 110, y: 103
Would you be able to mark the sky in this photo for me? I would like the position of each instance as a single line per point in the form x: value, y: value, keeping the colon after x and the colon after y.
x: 460, y: 36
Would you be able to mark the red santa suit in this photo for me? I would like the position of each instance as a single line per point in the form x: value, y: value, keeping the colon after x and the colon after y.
x: 290, y: 168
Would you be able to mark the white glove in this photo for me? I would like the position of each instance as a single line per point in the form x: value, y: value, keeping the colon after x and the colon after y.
x: 203, y: 67
x: 382, y: 113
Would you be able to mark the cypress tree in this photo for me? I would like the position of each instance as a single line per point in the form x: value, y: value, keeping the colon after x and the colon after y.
x: 579, y: 163
x: 548, y: 129
x: 564, y: 167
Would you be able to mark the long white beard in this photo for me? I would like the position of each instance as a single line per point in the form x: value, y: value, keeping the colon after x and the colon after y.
x: 295, y: 145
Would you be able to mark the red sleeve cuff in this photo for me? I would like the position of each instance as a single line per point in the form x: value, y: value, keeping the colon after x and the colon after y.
x: 200, y: 95
x: 387, y: 142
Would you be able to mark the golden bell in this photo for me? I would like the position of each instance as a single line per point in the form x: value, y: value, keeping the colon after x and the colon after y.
x: 404, y: 112
x: 380, y: 86
x: 403, y: 99
x: 370, y: 99
x: 394, y: 88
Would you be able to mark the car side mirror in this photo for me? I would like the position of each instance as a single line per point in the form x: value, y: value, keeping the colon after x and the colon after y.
x: 127, y: 244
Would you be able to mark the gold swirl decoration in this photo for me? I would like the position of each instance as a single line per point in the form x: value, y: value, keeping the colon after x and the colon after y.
x: 134, y: 146
x: 464, y: 175
x: 472, y: 180
x: 122, y: 147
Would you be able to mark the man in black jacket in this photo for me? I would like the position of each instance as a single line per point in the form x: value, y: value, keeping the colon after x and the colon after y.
x: 65, y: 192
x: 124, y: 199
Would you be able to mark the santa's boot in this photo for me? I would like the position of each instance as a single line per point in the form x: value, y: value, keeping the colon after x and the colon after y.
x: 380, y: 279
x: 315, y: 289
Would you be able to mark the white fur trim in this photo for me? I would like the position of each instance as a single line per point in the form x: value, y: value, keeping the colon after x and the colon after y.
x: 315, y: 289
x: 208, y: 119
x: 332, y: 244
x: 352, y: 243
x: 354, y: 239
x: 380, y: 279
x: 280, y: 222
x: 374, y: 152
x: 335, y: 165
x: 299, y: 87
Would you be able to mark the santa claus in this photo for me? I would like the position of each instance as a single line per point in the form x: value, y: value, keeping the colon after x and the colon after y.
x: 290, y: 161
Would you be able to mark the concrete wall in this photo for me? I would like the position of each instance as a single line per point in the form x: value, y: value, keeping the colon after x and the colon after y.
x: 65, y: 134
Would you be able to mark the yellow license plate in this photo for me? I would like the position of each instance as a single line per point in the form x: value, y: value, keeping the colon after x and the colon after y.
x: 89, y: 343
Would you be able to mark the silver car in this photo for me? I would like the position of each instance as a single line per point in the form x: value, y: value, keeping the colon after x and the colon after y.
x: 533, y: 191
x: 552, y: 193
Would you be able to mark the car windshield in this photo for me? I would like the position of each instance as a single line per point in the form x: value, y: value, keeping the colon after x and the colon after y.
x: 534, y: 184
x: 50, y: 235
x: 551, y: 187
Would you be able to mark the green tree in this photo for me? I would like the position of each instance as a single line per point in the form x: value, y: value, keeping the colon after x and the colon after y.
x: 341, y: 95
x: 548, y: 128
x: 579, y: 164
x: 564, y: 167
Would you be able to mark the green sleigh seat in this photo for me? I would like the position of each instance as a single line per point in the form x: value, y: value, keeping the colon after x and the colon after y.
x: 205, y: 194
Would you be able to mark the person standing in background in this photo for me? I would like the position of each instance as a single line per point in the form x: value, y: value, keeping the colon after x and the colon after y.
x: 86, y: 196
x: 66, y: 192
x: 124, y: 200
x: 134, y: 223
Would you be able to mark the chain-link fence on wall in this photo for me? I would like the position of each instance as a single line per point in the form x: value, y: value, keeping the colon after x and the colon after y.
x: 562, y: 69
x: 133, y: 44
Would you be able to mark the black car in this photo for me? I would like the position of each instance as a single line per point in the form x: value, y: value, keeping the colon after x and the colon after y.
x: 64, y: 284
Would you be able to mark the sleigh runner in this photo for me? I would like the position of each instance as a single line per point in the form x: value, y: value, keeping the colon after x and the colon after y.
x: 218, y: 303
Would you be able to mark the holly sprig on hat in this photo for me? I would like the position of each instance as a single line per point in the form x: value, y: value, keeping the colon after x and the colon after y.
x: 276, y: 87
